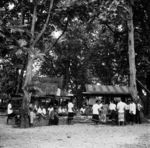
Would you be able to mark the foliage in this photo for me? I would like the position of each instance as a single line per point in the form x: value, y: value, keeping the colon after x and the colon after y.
x: 94, y: 41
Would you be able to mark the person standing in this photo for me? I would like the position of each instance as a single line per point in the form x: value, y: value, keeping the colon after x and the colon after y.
x: 70, y: 112
x: 104, y: 112
x: 96, y: 111
x: 127, y: 115
x: 10, y: 113
x: 112, y: 110
x: 32, y: 116
x: 121, y: 112
x: 50, y: 109
x: 132, y: 111
x: 139, y: 108
x: 54, y: 117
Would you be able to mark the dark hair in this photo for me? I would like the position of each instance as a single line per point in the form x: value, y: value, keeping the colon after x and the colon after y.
x: 9, y: 101
x: 55, y: 107
x: 97, y: 101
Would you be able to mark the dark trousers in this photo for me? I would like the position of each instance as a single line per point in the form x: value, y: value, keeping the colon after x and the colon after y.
x: 54, y: 121
x: 10, y: 116
x: 138, y: 117
x: 132, y: 118
x: 127, y: 116
x: 70, y: 118
x: 95, y: 118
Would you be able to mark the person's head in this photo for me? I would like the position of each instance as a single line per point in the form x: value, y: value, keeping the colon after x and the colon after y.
x: 50, y: 105
x: 97, y: 101
x: 119, y: 100
x: 103, y: 102
x: 131, y: 101
x: 55, y: 108
x: 128, y: 101
x: 138, y: 101
x: 70, y: 100
x: 34, y: 110
x: 31, y: 109
x: 9, y: 101
x: 83, y: 106
x: 42, y: 106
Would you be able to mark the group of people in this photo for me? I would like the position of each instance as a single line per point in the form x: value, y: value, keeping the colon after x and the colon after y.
x: 40, y: 112
x: 119, y: 112
x: 52, y: 113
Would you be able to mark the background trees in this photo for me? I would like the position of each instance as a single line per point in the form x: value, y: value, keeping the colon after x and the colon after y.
x: 91, y: 41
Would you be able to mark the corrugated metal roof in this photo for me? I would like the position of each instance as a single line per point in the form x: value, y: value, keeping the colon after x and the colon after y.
x: 107, y: 90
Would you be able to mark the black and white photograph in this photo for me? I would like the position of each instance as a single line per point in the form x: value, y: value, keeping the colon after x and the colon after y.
x: 74, y: 74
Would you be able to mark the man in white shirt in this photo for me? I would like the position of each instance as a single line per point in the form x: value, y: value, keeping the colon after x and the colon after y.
x: 132, y: 111
x: 95, y: 111
x: 112, y: 106
x: 121, y: 112
x: 70, y: 111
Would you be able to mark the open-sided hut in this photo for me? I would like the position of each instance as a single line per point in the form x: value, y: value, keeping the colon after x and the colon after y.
x: 107, y: 91
x: 46, y: 90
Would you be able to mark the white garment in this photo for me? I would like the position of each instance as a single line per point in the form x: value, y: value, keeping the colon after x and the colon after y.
x: 39, y: 111
x: 32, y: 117
x: 35, y: 108
x: 132, y: 108
x: 70, y: 107
x: 59, y: 110
x: 96, y: 108
x: 82, y: 110
x: 127, y: 107
x: 100, y: 105
x: 112, y: 106
x: 9, y: 109
x: 121, y: 107
x: 50, y: 109
x: 139, y: 107
x: 44, y: 111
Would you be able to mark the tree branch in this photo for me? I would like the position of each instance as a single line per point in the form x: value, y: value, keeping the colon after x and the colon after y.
x: 45, y: 25
x: 109, y: 28
x: 33, y: 22
x: 53, y: 45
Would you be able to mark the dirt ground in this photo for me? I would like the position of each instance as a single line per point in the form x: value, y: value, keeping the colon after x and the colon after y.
x: 85, y: 135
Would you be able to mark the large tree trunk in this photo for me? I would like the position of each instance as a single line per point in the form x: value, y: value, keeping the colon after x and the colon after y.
x: 132, y: 65
x: 31, y: 56
x: 27, y: 95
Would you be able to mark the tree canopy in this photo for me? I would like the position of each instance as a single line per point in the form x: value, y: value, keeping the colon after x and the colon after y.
x: 92, y: 40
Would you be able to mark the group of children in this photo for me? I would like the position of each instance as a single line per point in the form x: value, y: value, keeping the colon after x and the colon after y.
x: 119, y: 112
